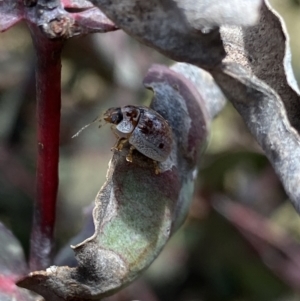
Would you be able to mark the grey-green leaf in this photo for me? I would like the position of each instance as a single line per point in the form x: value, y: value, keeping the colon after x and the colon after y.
x: 136, y: 210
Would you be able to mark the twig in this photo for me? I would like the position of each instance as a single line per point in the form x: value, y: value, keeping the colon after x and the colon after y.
x: 48, y: 90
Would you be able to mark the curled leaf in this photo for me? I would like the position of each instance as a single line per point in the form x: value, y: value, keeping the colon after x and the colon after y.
x: 183, y: 30
x: 254, y: 72
x: 257, y: 78
x: 136, y: 210
x: 211, y: 93
x: 162, y: 25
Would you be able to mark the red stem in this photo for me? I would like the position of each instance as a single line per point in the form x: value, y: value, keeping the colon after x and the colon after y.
x: 48, y: 90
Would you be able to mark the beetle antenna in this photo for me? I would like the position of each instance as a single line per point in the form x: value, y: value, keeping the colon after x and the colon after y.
x: 87, y: 125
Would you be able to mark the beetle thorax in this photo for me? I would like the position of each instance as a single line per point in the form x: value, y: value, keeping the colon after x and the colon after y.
x: 130, y: 120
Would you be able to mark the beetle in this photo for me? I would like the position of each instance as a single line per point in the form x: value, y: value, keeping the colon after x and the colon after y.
x: 144, y: 129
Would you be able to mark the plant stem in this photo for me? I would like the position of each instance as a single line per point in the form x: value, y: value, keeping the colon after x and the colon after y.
x: 48, y: 91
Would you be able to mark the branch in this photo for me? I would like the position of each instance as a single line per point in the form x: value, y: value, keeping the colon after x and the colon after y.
x: 48, y: 91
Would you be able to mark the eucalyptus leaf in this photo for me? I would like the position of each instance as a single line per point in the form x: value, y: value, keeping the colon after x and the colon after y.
x: 256, y: 76
x: 251, y: 65
x: 136, y: 210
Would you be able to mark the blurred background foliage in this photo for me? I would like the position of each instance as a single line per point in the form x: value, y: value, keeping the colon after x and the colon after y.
x: 241, y: 240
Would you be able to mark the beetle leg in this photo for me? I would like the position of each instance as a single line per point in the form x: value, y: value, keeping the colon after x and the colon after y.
x: 129, y: 156
x: 119, y: 144
x: 157, y: 169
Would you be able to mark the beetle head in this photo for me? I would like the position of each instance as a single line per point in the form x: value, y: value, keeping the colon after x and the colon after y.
x: 113, y: 115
